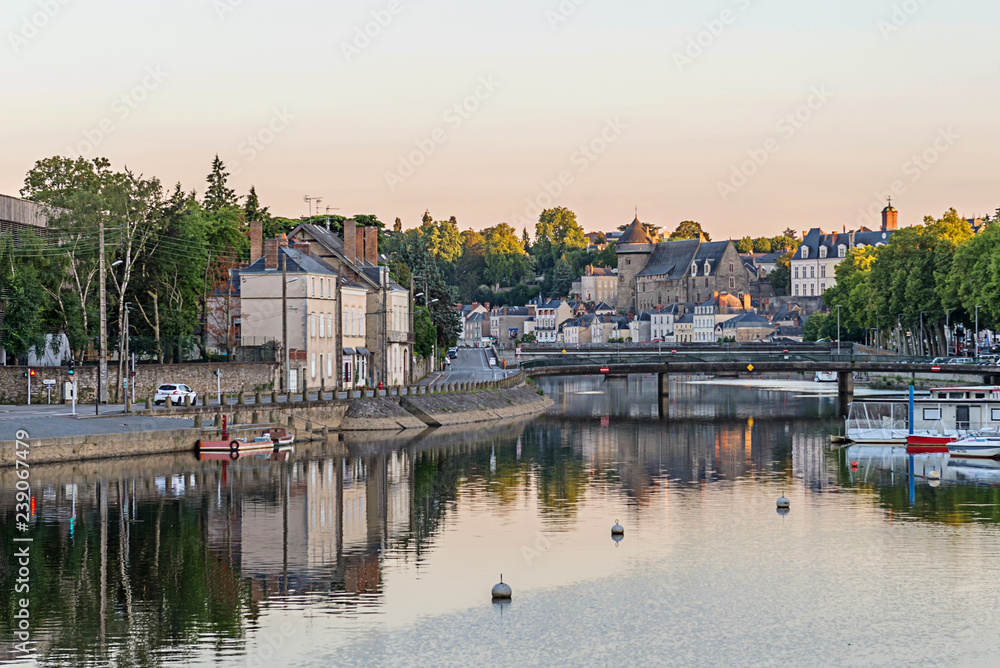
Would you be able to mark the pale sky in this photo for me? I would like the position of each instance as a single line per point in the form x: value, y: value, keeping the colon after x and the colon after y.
x: 297, y: 104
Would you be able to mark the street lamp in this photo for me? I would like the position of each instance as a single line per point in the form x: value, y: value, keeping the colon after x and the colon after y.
x: 947, y: 327
x: 878, y: 333
x: 922, y: 333
x: 899, y: 335
x: 977, y: 333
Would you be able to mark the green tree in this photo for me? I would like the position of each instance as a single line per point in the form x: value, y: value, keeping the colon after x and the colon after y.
x: 442, y: 238
x: 782, y: 243
x: 23, y: 328
x: 744, y: 245
x: 556, y: 233
x: 562, y: 279
x: 813, y: 329
x: 471, y: 265
x: 506, y: 261
x: 761, y: 245
x: 218, y: 195
x: 781, y: 277
x: 253, y: 211
x: 426, y: 332
x: 606, y: 257
x: 689, y: 229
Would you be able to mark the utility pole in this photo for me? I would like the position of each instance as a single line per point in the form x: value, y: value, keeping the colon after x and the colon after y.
x: 102, y: 363
x: 947, y: 329
x: 976, y: 348
x: 284, y: 323
x: 838, y: 329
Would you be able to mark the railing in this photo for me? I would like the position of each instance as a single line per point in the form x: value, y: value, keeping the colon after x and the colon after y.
x: 580, y: 358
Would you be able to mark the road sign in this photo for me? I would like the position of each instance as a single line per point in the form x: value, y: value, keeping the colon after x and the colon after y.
x: 49, y: 381
x: 935, y: 368
x: 605, y: 369
x: 749, y: 367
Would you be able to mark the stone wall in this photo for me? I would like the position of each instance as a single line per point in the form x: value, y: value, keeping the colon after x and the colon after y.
x: 235, y: 377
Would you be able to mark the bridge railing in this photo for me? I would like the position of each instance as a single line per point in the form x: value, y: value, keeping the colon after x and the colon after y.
x: 745, y: 357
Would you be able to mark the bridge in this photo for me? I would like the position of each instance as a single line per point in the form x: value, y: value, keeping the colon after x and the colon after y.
x: 743, y: 361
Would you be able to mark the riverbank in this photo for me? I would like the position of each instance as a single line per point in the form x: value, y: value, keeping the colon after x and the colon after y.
x: 180, y: 429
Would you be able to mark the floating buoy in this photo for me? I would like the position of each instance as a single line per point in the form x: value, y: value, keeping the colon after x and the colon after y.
x: 783, y: 511
x: 934, y: 475
x: 617, y: 529
x: 501, y: 591
x: 854, y: 464
x: 784, y: 503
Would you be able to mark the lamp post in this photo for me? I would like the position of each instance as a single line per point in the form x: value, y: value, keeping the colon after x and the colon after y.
x: 899, y: 335
x: 947, y: 328
x: 878, y: 333
x: 838, y: 329
x: 922, y: 333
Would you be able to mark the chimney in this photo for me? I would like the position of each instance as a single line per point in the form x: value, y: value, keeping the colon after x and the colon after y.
x: 746, y: 302
x: 850, y: 240
x: 371, y: 245
x: 350, y: 241
x: 283, y: 241
x: 715, y: 295
x: 256, y: 240
x: 303, y: 246
x: 271, y: 254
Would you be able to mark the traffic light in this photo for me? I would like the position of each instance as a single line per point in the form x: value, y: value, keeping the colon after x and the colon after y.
x: 72, y: 367
x: 29, y: 372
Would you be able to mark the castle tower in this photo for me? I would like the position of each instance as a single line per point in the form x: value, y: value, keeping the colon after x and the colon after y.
x: 633, y: 250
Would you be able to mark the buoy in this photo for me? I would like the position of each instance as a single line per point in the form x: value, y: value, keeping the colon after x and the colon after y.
x: 784, y: 503
x: 501, y: 591
x: 617, y: 529
x: 934, y: 475
x: 783, y: 511
x: 854, y: 464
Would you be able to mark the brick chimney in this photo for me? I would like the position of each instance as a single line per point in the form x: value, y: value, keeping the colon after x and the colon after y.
x: 371, y: 245
x: 271, y: 254
x: 359, y: 248
x: 350, y: 243
x: 256, y: 240
x: 283, y: 241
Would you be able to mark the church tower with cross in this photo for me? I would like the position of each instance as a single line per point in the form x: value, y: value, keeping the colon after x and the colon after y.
x: 889, y: 215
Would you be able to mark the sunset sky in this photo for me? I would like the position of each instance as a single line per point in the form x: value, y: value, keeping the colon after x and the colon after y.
x: 749, y: 116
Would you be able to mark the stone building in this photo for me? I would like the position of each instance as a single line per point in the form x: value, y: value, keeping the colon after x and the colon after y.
x: 651, y: 274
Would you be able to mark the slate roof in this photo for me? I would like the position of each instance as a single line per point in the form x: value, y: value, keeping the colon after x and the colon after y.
x: 330, y: 239
x: 604, y: 306
x: 635, y: 234
x: 513, y: 310
x: 745, y: 320
x: 296, y: 262
x: 815, y: 239
x: 476, y: 317
x: 671, y: 259
x: 687, y: 318
x: 712, y: 252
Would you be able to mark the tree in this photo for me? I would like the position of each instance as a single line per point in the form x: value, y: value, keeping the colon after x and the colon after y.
x: 790, y: 233
x: 689, y: 229
x: 398, y: 226
x: 442, y: 239
x: 813, y: 328
x: 506, y: 261
x: 606, y: 257
x: 761, y: 245
x: 562, y: 279
x: 744, y: 245
x: 253, y: 211
x: 556, y: 233
x: 782, y: 243
x: 425, y: 331
x: 219, y: 195
x: 23, y: 328
x: 781, y: 277
x: 471, y: 265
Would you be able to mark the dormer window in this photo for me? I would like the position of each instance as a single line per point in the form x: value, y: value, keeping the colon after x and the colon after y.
x: 822, y: 252
x: 708, y: 268
x: 805, y: 252
x: 694, y: 269
x: 841, y: 250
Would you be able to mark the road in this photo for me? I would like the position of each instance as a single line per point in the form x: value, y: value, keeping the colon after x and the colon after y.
x: 471, y: 366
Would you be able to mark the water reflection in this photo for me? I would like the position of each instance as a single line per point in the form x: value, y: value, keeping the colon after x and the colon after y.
x: 154, y: 560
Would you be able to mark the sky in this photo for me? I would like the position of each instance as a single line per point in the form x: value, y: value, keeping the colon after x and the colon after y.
x: 749, y: 116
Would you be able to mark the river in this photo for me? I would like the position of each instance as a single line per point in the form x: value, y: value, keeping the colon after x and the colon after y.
x: 383, y: 551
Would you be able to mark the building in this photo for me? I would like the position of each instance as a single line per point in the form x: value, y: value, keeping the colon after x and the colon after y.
x: 598, y: 284
x: 578, y: 330
x: 652, y: 274
x: 464, y: 311
x: 815, y: 261
x: 662, y: 321
x: 507, y: 323
x: 640, y: 327
x: 388, y: 314
x: 548, y: 317
x: 745, y: 327
x: 310, y: 304
x: 719, y: 308
x: 684, y: 328
x: 477, y: 329
x: 20, y: 216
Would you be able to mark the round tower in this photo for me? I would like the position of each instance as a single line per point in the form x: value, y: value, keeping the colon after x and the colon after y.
x: 633, y: 250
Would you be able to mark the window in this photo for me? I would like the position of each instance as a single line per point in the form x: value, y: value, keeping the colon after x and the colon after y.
x: 822, y: 287
x: 313, y: 282
x: 329, y: 365
x: 694, y: 270
x: 841, y: 250
x: 322, y: 329
x: 321, y: 288
x: 812, y: 272
x: 822, y: 252
x: 706, y: 281
x: 708, y: 268
x: 312, y: 324
x: 822, y: 271
x: 796, y: 272
x: 732, y: 283
x: 731, y: 267
x: 805, y: 252
x: 329, y: 328
x: 312, y: 364
x: 812, y: 289
x: 996, y: 414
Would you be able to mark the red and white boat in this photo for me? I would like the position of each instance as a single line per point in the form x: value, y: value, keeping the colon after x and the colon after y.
x: 237, y: 445
x: 278, y: 454
x: 281, y: 436
x: 978, y: 447
x: 922, y: 444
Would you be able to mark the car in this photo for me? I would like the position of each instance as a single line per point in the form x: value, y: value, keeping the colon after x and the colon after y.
x: 940, y: 360
x: 961, y: 360
x: 176, y: 392
x: 452, y: 353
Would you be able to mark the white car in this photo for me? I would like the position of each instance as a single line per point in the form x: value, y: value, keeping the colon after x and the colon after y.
x: 176, y: 392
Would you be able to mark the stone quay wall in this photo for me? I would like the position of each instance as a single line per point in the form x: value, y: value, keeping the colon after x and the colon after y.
x: 247, y: 377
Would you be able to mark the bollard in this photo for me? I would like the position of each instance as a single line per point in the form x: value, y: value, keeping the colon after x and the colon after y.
x: 168, y: 403
x: 149, y: 403
x: 197, y: 422
x: 291, y: 421
x: 241, y: 399
x: 350, y: 394
x: 187, y: 401
x: 274, y: 397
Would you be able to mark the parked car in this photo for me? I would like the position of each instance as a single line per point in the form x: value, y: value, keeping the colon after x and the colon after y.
x: 452, y: 353
x: 176, y: 392
x: 941, y: 360
x: 961, y: 360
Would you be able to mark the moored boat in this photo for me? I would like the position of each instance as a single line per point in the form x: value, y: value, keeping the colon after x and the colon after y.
x: 237, y: 445
x: 922, y: 444
x: 281, y: 436
x: 980, y: 447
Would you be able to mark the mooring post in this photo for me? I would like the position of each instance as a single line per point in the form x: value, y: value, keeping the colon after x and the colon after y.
x: 664, y: 379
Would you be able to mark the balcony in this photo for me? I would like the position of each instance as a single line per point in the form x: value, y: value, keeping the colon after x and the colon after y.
x: 402, y: 337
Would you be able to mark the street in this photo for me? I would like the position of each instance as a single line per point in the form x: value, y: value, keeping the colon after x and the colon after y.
x: 471, y: 366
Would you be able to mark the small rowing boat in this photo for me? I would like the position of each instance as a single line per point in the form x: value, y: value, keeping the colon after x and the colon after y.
x: 980, y: 447
x: 281, y: 436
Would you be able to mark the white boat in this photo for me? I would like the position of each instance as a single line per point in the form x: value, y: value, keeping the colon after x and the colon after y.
x: 825, y: 377
x: 980, y: 447
x: 946, y: 411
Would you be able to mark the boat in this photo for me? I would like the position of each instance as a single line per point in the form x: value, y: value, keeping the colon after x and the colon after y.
x: 277, y: 454
x: 825, y: 377
x: 944, y: 412
x: 922, y: 444
x: 281, y: 436
x: 978, y: 447
x: 237, y: 445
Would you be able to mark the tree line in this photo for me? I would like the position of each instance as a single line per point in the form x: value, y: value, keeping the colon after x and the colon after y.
x: 937, y: 273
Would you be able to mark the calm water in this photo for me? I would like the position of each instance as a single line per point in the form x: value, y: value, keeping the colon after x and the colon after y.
x: 384, y: 552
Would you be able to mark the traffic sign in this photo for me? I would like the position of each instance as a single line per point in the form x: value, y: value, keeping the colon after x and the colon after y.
x: 749, y: 367
x: 605, y: 369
